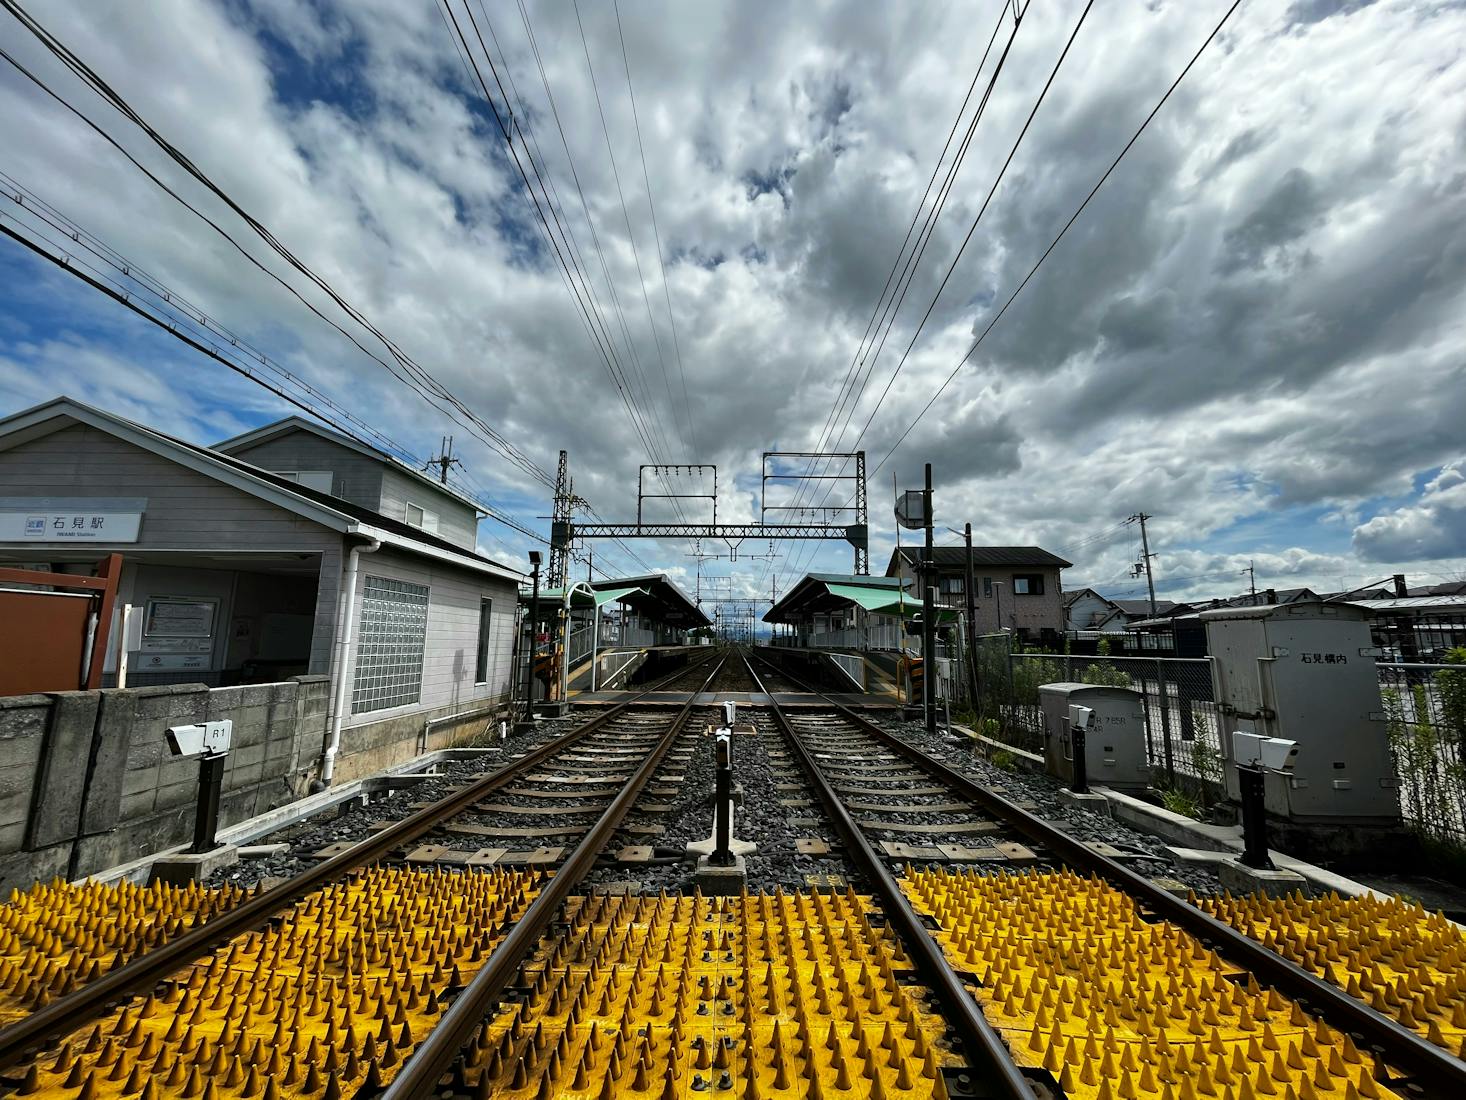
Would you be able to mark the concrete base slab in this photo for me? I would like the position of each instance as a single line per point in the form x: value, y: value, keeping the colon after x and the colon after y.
x: 1201, y: 857
x: 721, y: 881
x: 181, y: 868
x: 262, y: 851
x: 1239, y: 878
x: 1087, y: 800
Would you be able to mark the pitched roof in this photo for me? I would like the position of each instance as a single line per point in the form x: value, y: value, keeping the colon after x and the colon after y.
x: 1142, y: 607
x: 289, y: 424
x: 329, y: 511
x: 956, y: 556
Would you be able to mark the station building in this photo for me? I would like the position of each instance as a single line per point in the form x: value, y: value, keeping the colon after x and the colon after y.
x: 290, y: 551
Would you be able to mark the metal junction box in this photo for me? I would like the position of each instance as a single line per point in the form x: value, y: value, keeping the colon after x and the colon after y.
x: 1305, y: 672
x: 1114, y: 746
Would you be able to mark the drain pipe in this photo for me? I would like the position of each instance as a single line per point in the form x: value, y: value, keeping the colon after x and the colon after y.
x: 345, y: 626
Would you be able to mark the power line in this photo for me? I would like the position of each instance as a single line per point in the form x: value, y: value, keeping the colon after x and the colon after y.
x: 422, y: 380
x: 591, y: 313
x: 416, y: 377
x: 656, y: 232
x: 630, y: 236
x: 1054, y: 244
x: 997, y: 181
x: 1073, y: 218
x: 882, y: 309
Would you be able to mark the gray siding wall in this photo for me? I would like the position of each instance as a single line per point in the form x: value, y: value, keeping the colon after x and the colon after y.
x: 185, y: 510
x: 358, y: 478
x: 457, y: 522
x: 452, y: 632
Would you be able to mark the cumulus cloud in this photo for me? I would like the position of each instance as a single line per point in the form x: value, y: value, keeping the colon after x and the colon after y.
x: 1256, y: 323
x: 1433, y: 528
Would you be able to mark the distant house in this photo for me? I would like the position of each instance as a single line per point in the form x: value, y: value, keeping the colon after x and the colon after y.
x: 1085, y: 609
x: 1018, y: 588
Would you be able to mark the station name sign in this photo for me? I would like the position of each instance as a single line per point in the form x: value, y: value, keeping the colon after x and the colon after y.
x: 59, y: 520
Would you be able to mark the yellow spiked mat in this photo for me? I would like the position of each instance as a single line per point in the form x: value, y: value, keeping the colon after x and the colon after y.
x: 324, y: 1001
x: 1407, y: 963
x: 784, y: 995
x: 1118, y: 1008
x: 55, y: 938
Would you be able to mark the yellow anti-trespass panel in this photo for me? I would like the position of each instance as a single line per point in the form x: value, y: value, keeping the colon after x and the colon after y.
x: 1117, y: 1007
x: 789, y: 995
x: 325, y: 1001
x: 1407, y: 963
x: 54, y: 938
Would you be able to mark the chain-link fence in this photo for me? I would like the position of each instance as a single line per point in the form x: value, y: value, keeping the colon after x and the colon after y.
x: 1183, y: 742
x: 1424, y: 711
x: 1425, y: 715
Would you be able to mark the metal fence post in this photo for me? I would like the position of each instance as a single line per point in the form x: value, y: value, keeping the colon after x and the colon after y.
x: 1165, y: 692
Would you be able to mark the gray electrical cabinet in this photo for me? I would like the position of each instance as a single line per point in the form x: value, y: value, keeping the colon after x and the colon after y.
x: 1306, y: 672
x: 1114, y: 746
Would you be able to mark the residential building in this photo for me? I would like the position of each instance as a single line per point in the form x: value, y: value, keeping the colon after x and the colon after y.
x: 1018, y: 588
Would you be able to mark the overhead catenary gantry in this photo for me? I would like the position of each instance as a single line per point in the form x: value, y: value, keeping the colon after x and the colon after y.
x: 565, y: 529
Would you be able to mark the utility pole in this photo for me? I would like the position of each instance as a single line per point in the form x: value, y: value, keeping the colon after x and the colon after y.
x: 445, y: 461
x: 1146, y: 555
x: 928, y: 612
x: 1251, y: 572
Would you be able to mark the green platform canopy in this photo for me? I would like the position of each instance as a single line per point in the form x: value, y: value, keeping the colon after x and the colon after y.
x: 579, y: 597
x: 822, y: 592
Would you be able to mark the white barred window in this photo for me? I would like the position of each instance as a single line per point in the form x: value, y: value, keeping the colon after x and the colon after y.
x: 389, y: 644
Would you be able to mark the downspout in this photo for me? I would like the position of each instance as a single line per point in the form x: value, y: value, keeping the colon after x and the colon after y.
x: 345, y: 626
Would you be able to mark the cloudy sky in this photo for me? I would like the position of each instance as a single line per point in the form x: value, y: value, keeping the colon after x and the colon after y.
x: 1255, y: 332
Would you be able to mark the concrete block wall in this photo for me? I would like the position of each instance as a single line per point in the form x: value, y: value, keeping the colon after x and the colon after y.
x: 372, y: 747
x: 87, y: 782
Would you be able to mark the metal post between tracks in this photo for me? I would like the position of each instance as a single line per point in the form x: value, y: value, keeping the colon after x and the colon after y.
x: 421, y: 1072
x: 71, y: 1011
x: 1428, y: 1064
x: 981, y: 1041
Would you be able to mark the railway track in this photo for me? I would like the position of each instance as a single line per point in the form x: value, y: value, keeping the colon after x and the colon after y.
x: 993, y: 956
x: 602, y: 765
x: 1093, y: 975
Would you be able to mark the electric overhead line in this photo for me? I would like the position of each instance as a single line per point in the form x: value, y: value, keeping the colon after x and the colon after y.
x: 577, y: 259
x: 1227, y: 15
x: 417, y: 378
x: 630, y: 236
x: 1067, y: 225
x: 656, y: 232
x: 903, y: 284
x: 882, y: 314
x: 627, y: 340
x: 583, y: 294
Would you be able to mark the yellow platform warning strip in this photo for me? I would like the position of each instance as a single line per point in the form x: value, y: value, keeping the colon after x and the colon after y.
x: 789, y: 995
x: 55, y: 938
x: 1119, y: 1008
x: 325, y: 1001
x: 1407, y: 963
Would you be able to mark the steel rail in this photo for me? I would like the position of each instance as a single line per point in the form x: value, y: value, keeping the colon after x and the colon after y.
x: 985, y: 1049
x: 1427, y: 1064
x: 420, y: 1074
x: 67, y: 1013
